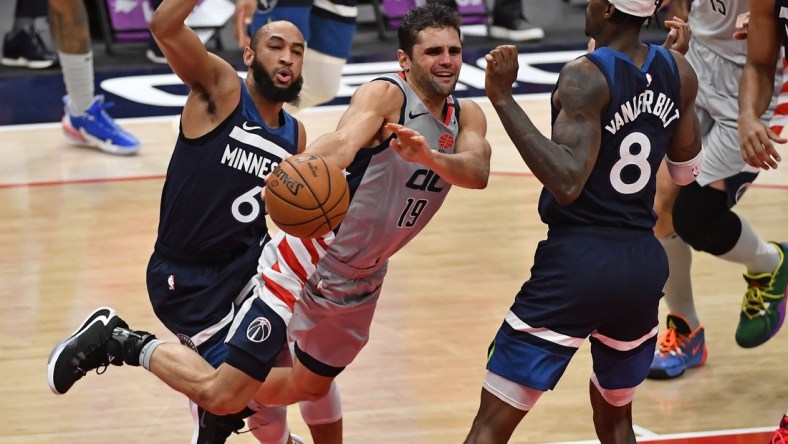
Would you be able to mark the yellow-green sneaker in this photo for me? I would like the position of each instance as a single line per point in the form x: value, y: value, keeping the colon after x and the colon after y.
x: 763, y: 308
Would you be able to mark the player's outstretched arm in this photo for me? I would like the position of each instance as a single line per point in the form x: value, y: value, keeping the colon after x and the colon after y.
x: 362, y: 125
x: 563, y: 163
x: 756, y: 87
x: 468, y: 166
x: 185, y: 53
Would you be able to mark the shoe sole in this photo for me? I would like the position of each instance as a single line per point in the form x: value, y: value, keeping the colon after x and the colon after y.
x: 83, y: 138
x: 25, y: 63
x: 525, y: 35
x: 55, y: 354
x: 664, y: 373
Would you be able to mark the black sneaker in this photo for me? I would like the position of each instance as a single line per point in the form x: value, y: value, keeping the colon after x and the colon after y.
x: 517, y: 29
x: 83, y: 351
x: 25, y: 48
x: 216, y: 429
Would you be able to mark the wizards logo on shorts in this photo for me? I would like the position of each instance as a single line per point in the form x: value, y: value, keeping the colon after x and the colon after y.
x: 259, y: 330
x: 266, y: 5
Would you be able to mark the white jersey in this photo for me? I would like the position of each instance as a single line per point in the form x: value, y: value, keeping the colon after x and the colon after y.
x: 391, y: 200
x: 713, y: 23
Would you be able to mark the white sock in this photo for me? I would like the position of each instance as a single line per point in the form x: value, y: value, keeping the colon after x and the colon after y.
x: 78, y: 77
x: 753, y: 252
x: 678, y: 287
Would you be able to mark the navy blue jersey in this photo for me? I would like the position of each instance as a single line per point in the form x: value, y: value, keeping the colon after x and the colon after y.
x: 211, y: 206
x: 636, y: 129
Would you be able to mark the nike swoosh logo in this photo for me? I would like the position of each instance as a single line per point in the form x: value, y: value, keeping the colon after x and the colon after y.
x: 248, y: 127
x: 413, y: 116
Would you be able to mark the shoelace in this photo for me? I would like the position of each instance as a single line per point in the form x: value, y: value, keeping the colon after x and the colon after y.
x: 753, y: 305
x: 669, y: 340
x: 100, y: 367
x: 780, y: 437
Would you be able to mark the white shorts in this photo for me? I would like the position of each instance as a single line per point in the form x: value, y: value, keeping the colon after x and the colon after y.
x: 717, y: 106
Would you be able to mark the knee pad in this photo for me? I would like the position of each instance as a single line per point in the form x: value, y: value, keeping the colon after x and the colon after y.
x: 516, y: 395
x: 617, y: 397
x: 269, y: 425
x: 701, y: 217
x: 325, y: 410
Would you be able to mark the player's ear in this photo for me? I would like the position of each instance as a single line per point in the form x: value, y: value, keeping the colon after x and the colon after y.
x: 404, y: 60
x: 248, y: 56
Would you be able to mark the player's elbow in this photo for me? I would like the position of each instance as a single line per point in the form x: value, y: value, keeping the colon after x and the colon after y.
x: 566, y: 192
x: 566, y: 198
x: 160, y: 24
x: 479, y: 181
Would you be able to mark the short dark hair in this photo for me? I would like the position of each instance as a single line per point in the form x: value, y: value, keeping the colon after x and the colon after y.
x: 431, y: 15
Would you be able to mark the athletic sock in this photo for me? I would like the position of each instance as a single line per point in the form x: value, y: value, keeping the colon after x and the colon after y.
x: 78, y: 77
x: 753, y: 252
x: 678, y: 287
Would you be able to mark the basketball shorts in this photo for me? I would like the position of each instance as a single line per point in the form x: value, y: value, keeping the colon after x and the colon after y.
x: 256, y: 339
x: 717, y: 106
x: 332, y: 318
x: 198, y: 300
x: 602, y: 283
x: 328, y: 26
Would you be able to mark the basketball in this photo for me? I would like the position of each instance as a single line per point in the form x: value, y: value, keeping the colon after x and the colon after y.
x: 306, y: 196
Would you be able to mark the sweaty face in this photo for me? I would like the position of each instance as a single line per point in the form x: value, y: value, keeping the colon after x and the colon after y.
x: 436, y: 62
x: 272, y: 86
x: 276, y: 62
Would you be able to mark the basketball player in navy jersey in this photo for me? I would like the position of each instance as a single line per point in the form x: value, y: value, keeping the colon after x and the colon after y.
x: 767, y: 31
x: 404, y: 140
x: 617, y: 111
x: 212, y: 227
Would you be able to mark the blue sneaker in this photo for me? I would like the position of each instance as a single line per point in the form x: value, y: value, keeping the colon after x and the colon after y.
x: 678, y: 349
x: 97, y: 128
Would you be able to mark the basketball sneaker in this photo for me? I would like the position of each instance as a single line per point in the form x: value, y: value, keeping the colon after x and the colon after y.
x: 83, y: 351
x: 763, y: 307
x: 96, y: 128
x: 678, y: 348
x: 24, y: 47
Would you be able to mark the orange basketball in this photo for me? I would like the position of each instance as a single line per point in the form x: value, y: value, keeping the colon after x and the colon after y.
x: 306, y: 196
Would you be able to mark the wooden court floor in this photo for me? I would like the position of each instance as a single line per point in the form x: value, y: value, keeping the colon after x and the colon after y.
x: 77, y: 227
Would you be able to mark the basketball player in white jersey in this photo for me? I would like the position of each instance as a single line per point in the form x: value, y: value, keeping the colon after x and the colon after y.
x: 699, y: 216
x: 768, y: 32
x: 404, y: 140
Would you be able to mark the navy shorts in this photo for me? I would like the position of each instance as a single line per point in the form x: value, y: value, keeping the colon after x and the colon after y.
x: 603, y: 283
x: 257, y: 337
x: 197, y: 300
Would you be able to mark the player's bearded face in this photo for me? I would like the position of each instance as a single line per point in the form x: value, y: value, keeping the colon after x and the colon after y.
x: 270, y: 90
